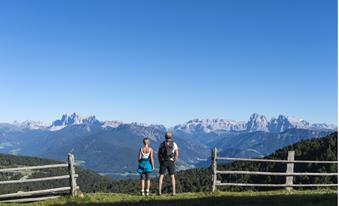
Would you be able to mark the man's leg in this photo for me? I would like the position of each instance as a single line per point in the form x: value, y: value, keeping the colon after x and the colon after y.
x: 162, y: 170
x: 173, y: 184
x: 171, y: 171
x: 161, y: 178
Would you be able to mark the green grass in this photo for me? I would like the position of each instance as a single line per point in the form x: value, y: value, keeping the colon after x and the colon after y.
x: 276, y: 198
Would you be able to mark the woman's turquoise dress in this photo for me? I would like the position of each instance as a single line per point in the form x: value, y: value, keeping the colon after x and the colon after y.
x: 144, y: 165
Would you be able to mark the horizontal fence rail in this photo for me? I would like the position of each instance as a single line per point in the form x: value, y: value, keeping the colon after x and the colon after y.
x: 36, y: 192
x: 277, y: 161
x: 31, y: 199
x: 289, y: 172
x: 276, y: 173
x: 33, y: 167
x: 36, y: 179
x: 277, y: 185
x: 18, y: 196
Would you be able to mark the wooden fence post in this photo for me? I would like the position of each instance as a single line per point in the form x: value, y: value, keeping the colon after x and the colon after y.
x: 71, y: 171
x: 290, y: 169
x: 214, y: 168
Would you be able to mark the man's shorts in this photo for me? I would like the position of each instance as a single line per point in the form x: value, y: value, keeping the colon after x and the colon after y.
x: 167, y: 165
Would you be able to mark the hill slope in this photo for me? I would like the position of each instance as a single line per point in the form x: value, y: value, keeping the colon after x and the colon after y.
x: 192, y: 180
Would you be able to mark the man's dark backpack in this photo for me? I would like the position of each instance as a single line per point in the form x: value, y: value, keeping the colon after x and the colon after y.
x: 166, y: 150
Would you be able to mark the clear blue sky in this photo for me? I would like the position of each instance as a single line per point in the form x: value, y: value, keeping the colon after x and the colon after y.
x: 168, y: 61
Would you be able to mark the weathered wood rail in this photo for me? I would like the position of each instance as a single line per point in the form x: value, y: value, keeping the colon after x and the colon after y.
x: 46, y: 193
x: 289, y: 172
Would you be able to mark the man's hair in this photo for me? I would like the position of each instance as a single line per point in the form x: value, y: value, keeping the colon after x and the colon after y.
x: 145, y: 140
x: 168, y: 135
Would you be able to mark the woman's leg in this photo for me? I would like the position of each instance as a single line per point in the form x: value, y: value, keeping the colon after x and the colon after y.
x: 142, y: 183
x: 148, y: 183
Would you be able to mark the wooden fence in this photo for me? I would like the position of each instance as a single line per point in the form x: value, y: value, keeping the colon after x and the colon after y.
x: 289, y: 172
x: 46, y: 193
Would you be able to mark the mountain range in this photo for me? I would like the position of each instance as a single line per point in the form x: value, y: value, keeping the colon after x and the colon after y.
x: 110, y: 147
x: 256, y: 122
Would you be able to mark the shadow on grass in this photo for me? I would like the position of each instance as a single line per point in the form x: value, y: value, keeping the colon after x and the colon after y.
x: 278, y: 200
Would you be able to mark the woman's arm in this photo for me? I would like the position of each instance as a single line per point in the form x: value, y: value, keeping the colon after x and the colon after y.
x: 139, y: 155
x: 152, y: 159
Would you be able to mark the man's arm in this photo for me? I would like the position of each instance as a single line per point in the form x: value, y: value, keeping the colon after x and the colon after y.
x: 176, y: 155
x: 159, y: 157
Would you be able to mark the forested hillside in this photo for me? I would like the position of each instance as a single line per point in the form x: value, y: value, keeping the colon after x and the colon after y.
x: 193, y: 180
x: 313, y: 149
x: 199, y: 179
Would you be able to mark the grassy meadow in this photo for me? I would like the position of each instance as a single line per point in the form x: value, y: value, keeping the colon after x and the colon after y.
x: 276, y: 198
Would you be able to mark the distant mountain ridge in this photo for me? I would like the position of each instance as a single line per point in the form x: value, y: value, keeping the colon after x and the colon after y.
x: 256, y: 122
x: 110, y: 147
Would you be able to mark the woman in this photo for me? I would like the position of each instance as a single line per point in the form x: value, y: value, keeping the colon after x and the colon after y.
x: 146, y: 166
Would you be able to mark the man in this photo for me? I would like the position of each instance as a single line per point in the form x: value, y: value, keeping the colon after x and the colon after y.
x: 168, y: 153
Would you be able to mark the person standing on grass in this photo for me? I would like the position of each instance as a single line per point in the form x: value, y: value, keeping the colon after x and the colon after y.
x: 168, y: 154
x: 145, y: 166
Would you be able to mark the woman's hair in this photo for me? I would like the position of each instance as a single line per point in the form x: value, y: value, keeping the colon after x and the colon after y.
x: 146, y: 140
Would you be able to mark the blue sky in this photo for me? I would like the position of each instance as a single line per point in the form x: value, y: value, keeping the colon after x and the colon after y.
x: 168, y: 61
